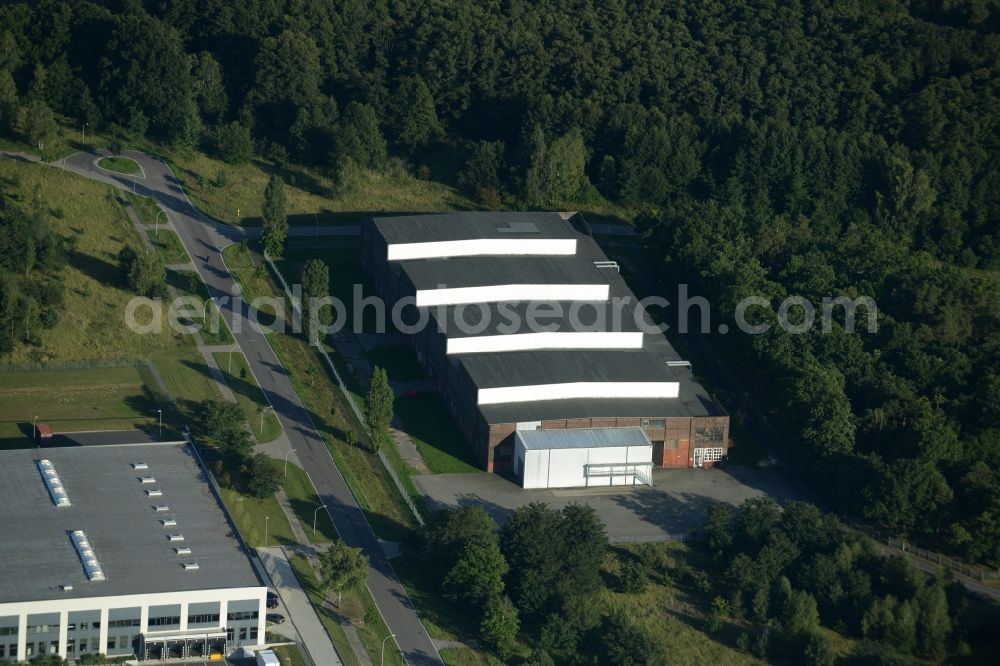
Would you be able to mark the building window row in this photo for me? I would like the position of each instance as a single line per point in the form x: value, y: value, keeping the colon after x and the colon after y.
x: 243, y: 615
x: 8, y: 631
x: 117, y: 624
x: 203, y: 618
x: 42, y: 628
x: 244, y: 633
x: 164, y: 621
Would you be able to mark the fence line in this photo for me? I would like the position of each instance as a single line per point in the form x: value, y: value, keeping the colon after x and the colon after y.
x: 903, y: 546
x: 346, y: 392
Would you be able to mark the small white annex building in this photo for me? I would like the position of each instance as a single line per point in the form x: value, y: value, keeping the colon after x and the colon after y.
x: 584, y: 457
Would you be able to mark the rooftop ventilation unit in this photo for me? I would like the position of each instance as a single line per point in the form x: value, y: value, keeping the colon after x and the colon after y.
x: 678, y: 364
x: 52, y: 482
x: 168, y: 522
x: 190, y: 566
x: 154, y: 492
x: 87, y: 556
x: 183, y: 550
x: 66, y: 588
x: 161, y: 508
x: 608, y: 264
x: 175, y: 537
x: 147, y: 480
x: 140, y: 466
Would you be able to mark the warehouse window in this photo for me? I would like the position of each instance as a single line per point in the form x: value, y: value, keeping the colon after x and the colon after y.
x: 711, y: 454
x: 654, y: 423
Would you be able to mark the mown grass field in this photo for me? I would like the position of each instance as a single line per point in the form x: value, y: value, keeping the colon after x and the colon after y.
x: 75, y: 400
x: 358, y: 608
x: 236, y: 370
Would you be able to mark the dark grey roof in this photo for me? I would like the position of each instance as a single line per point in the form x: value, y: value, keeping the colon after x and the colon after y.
x: 544, y: 366
x: 110, y: 504
x: 583, y: 438
x: 693, y: 401
x: 527, y: 368
x: 422, y: 228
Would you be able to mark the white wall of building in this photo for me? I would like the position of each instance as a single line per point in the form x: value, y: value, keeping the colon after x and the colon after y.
x: 499, y: 293
x: 566, y: 468
x: 143, y: 601
x: 505, y: 394
x: 547, y: 340
x: 482, y: 247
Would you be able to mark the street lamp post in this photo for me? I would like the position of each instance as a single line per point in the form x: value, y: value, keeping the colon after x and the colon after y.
x: 262, y: 412
x: 382, y: 660
x: 34, y: 429
x: 321, y: 506
x: 160, y: 413
x: 266, y: 518
x: 229, y: 369
x: 84, y: 141
x: 156, y: 221
x: 286, y: 458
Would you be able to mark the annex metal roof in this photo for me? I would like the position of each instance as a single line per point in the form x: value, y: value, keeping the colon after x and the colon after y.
x: 583, y: 438
x: 112, y: 527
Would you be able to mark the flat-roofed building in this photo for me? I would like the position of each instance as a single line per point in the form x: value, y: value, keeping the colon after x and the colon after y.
x: 120, y: 550
x: 523, y: 323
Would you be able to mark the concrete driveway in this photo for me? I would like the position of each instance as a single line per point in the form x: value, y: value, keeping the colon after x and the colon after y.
x: 677, y: 503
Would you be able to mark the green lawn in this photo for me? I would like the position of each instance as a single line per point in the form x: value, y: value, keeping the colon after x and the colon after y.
x: 302, y: 497
x: 399, y: 362
x: 169, y: 246
x: 355, y: 607
x: 289, y: 655
x: 76, y: 400
x: 431, y: 428
x: 236, y: 370
x: 251, y: 514
x: 119, y: 164
x: 214, y: 329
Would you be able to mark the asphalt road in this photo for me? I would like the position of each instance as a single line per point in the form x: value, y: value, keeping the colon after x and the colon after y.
x: 204, y: 240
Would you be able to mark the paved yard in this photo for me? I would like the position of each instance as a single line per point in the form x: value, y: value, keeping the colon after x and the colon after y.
x: 677, y: 503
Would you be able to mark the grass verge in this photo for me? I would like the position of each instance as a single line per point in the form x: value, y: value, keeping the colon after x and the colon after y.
x: 169, y: 246
x: 214, y: 330
x: 289, y: 655
x: 302, y: 497
x: 236, y: 370
x: 357, y: 608
x: 439, y: 442
x: 119, y: 164
x: 252, y: 516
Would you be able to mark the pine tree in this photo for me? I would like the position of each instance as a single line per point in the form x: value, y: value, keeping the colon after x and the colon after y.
x: 275, y: 220
x: 378, y: 406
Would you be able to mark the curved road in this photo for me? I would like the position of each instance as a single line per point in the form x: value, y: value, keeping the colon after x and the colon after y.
x: 204, y: 240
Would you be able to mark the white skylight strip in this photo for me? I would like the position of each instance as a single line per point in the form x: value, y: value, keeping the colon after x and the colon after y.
x: 570, y: 390
x: 482, y: 247
x: 479, y: 344
x: 53, y: 483
x: 87, y: 556
x: 511, y: 293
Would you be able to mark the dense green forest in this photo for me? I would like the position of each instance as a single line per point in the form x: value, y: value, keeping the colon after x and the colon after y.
x: 810, y: 148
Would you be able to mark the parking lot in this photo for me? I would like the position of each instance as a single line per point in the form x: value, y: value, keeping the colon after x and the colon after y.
x: 677, y: 502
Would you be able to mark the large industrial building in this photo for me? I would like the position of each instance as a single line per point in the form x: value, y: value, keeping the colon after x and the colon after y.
x: 120, y: 550
x: 586, y: 363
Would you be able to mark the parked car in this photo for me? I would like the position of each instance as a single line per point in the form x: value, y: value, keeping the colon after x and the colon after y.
x: 274, y: 618
x: 272, y: 600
